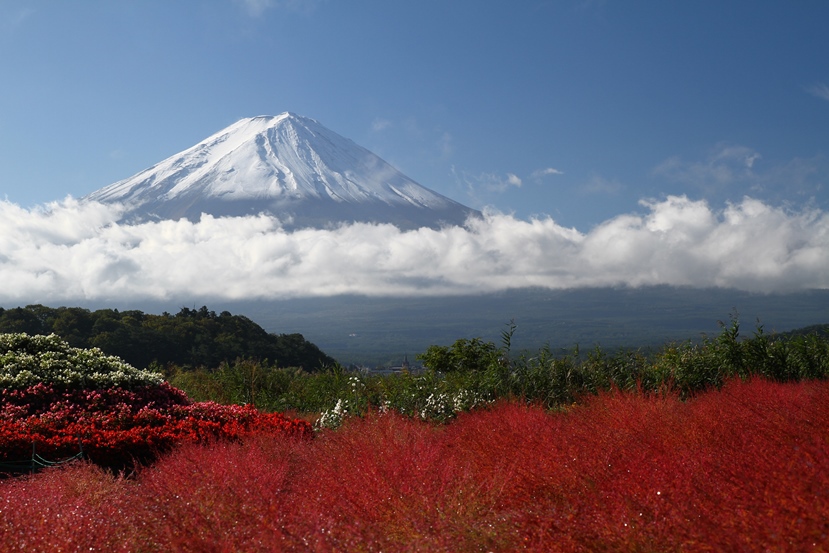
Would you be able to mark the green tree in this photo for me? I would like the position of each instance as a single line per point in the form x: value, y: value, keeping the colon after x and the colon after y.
x: 191, y: 338
x: 464, y: 355
x: 21, y: 320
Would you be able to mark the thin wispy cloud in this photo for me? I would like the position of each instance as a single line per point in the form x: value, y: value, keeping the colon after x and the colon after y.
x: 499, y: 183
x: 733, y: 170
x: 541, y: 173
x: 256, y: 8
x: 597, y: 184
x: 446, y: 145
x: 487, y: 183
x: 380, y: 124
x: 725, y: 165
x: 821, y: 90
x: 796, y: 180
x: 78, y: 251
x: 14, y: 20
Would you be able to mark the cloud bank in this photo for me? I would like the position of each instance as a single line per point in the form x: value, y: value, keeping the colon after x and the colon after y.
x: 78, y: 251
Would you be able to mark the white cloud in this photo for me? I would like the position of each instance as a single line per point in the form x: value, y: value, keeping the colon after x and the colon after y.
x: 487, y: 182
x: 76, y: 251
x: 545, y: 172
x: 821, y: 90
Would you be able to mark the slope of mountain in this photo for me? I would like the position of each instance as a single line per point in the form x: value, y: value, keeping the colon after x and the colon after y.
x: 288, y: 166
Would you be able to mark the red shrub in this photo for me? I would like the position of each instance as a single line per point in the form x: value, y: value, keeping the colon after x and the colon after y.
x: 116, y: 428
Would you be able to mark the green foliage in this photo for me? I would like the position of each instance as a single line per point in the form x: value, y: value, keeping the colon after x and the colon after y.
x: 467, y: 374
x: 190, y: 338
x: 463, y: 355
x: 471, y: 373
x: 29, y: 360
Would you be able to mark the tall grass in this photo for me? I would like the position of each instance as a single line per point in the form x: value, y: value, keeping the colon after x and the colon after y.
x: 741, y: 468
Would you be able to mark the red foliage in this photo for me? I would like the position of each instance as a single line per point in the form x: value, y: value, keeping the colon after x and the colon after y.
x: 76, y: 508
x: 42, y: 398
x: 745, y: 468
x: 117, y: 427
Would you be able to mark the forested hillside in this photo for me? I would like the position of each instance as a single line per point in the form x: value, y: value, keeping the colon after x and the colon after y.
x: 191, y: 337
x: 821, y: 330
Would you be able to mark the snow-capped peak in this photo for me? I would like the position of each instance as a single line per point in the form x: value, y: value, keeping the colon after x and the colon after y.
x: 287, y: 165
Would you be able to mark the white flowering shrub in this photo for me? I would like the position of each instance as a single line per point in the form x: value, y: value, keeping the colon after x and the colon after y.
x: 332, y: 418
x: 437, y: 407
x: 29, y: 360
x: 466, y: 400
x: 444, y: 406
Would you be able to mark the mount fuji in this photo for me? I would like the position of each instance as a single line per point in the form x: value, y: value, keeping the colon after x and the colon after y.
x: 287, y: 166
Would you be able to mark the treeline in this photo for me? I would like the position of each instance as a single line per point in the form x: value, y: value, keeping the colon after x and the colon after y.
x: 190, y: 338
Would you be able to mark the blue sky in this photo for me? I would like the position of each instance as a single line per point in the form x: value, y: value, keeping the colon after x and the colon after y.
x: 575, y: 109
x: 612, y: 143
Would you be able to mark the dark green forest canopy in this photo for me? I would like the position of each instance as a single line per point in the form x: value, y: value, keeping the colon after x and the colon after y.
x: 191, y: 337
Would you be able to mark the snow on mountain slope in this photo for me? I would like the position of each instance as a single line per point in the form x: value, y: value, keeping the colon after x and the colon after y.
x: 288, y: 166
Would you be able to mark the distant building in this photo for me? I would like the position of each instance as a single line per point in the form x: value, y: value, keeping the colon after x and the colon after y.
x: 404, y: 367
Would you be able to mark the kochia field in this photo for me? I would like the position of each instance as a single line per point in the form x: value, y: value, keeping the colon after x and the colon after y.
x: 743, y: 468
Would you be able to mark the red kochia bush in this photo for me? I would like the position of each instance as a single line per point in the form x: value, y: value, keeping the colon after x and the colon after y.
x: 744, y: 468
